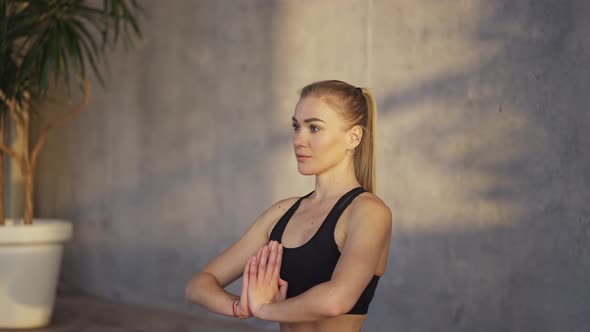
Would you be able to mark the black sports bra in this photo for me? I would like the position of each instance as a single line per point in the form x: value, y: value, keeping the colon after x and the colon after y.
x: 313, y: 262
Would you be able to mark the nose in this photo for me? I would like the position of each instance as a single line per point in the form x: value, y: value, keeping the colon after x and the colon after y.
x: 298, y: 139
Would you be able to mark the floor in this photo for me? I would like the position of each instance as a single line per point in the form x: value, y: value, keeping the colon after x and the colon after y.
x: 81, y: 313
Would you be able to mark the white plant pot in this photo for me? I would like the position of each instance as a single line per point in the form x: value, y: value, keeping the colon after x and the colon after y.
x: 30, y: 259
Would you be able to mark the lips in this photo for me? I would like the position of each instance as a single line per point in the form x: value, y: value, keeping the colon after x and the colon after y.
x: 301, y: 157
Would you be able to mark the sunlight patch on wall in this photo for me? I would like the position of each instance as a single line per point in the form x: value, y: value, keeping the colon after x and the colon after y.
x: 456, y: 167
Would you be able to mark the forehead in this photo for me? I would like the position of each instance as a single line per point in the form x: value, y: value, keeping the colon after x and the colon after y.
x: 315, y: 107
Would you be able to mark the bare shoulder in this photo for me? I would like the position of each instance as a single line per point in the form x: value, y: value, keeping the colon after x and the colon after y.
x: 280, y: 207
x: 368, y: 207
x: 271, y: 215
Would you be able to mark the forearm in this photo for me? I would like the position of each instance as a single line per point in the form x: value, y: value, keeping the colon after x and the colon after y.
x: 319, y: 302
x: 205, y: 291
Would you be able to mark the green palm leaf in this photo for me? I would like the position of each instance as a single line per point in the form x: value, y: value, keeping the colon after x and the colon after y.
x: 46, y: 41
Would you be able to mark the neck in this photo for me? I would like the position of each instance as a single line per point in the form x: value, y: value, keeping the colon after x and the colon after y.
x: 336, y: 181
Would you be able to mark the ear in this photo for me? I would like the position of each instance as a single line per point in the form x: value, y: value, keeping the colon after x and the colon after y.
x: 355, y: 135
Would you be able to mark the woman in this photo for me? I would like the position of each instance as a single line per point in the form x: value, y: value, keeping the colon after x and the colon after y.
x: 328, y: 248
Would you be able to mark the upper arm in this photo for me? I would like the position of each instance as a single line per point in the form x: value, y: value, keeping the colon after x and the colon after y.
x: 367, y: 236
x: 229, y: 265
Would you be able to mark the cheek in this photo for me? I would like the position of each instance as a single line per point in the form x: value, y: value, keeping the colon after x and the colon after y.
x: 326, y: 145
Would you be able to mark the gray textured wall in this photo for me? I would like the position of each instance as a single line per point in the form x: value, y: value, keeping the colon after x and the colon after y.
x: 482, y: 152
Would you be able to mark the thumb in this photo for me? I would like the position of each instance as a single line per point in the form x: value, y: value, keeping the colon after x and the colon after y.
x: 283, y: 285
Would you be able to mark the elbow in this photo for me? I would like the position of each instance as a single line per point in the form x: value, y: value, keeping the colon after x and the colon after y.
x: 334, y: 311
x: 193, y: 287
x: 337, y: 306
x: 340, y: 309
x: 190, y: 291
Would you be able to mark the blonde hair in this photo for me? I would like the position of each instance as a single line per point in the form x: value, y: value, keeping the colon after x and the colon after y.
x: 358, y: 107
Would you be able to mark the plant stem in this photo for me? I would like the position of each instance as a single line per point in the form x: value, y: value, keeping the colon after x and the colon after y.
x: 3, y: 139
x: 27, y: 170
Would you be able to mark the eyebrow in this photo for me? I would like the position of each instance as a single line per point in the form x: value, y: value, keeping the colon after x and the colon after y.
x: 309, y: 120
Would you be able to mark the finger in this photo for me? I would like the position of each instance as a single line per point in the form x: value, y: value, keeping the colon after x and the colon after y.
x: 252, y: 281
x: 246, y: 275
x: 259, y: 256
x: 272, y: 261
x: 279, y: 261
x: 262, y: 264
x: 259, y: 253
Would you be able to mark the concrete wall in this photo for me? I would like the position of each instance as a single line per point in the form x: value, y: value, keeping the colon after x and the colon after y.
x: 481, y: 146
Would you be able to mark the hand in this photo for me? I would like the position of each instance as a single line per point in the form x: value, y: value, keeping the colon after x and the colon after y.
x: 243, y: 309
x: 263, y: 278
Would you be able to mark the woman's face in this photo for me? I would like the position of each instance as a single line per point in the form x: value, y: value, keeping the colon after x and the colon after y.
x: 319, y: 136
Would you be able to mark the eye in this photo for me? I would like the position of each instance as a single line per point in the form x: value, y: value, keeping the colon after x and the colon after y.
x: 295, y: 126
x: 314, y: 129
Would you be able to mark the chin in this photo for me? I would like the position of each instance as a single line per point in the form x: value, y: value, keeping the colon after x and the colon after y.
x: 305, y: 171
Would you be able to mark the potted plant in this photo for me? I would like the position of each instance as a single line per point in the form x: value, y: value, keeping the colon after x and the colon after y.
x: 43, y: 42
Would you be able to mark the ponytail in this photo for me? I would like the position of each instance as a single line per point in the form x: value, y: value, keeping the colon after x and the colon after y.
x: 364, y: 159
